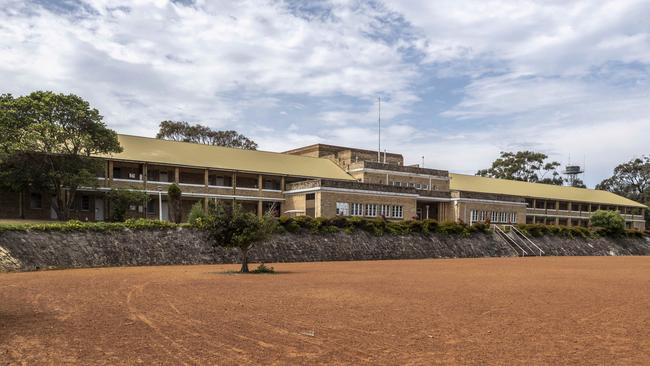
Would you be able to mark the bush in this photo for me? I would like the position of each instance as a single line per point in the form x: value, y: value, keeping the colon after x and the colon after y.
x: 263, y: 268
x: 611, y: 222
x: 174, y: 194
x: 121, y: 199
x: 197, y: 217
x: 76, y: 225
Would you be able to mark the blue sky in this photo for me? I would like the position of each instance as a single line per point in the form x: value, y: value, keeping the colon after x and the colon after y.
x: 459, y: 80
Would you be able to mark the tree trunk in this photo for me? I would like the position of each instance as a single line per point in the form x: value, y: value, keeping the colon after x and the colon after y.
x: 244, y: 260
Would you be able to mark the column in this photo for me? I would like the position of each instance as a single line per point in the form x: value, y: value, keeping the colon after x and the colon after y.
x: 177, y: 175
x: 260, y: 207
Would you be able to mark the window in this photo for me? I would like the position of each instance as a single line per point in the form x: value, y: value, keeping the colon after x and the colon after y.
x: 35, y: 201
x: 272, y: 183
x: 418, y: 186
x: 220, y: 179
x: 384, y: 210
x: 133, y: 207
x: 371, y: 210
x: 356, y: 209
x: 425, y: 186
x: 310, y: 196
x: 397, y: 212
x: 342, y: 209
x: 84, y: 205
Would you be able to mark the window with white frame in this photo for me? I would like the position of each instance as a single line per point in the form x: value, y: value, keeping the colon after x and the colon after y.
x: 384, y: 210
x: 397, y: 212
x: 342, y: 209
x: 356, y: 209
x: 371, y: 209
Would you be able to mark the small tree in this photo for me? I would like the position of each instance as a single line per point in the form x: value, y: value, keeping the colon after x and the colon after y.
x: 197, y: 216
x: 236, y: 228
x: 175, y: 204
x: 121, y: 199
x: 611, y: 221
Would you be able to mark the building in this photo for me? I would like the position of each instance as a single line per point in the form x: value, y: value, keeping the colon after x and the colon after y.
x: 319, y: 180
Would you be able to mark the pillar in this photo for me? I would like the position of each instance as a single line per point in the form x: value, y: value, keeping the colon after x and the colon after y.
x: 260, y: 182
x: 260, y: 207
x: 177, y: 175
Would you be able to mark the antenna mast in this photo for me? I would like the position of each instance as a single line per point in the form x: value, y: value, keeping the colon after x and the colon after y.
x: 379, y: 129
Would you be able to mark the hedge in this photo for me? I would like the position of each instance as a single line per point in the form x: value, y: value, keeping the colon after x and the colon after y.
x: 538, y: 230
x: 76, y: 225
x: 377, y: 226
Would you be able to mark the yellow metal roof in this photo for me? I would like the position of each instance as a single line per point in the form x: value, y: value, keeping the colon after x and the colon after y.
x: 472, y: 183
x: 146, y: 149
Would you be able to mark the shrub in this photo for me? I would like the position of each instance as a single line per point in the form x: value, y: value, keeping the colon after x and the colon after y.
x: 121, y: 199
x: 197, y: 217
x: 76, y: 225
x: 174, y: 194
x: 611, y: 222
x: 263, y: 268
x: 480, y: 227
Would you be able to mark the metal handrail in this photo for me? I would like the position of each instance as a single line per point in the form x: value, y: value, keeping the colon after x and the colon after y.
x: 522, y: 235
x: 509, y: 240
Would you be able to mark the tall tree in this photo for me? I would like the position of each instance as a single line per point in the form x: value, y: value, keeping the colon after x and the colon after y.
x: 527, y: 166
x: 50, y: 141
x: 631, y: 180
x: 183, y: 131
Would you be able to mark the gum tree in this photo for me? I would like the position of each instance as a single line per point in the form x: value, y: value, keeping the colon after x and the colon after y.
x: 49, y: 143
x: 527, y: 166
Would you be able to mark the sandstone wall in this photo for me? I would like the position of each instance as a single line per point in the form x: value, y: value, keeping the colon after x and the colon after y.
x: 41, y: 250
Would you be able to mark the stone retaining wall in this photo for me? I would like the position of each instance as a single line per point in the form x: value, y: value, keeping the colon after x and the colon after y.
x: 34, y: 250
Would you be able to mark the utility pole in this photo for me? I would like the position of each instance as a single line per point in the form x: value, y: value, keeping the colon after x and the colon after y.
x: 379, y: 129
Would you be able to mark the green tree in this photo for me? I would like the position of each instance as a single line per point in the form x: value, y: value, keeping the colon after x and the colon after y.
x: 183, y: 131
x: 632, y: 180
x: 527, y: 166
x: 121, y: 199
x: 610, y: 221
x: 236, y: 228
x: 48, y: 144
x: 578, y: 183
x: 175, y: 203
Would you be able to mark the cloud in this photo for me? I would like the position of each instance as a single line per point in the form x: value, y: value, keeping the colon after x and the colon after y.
x: 145, y: 61
x: 459, y: 80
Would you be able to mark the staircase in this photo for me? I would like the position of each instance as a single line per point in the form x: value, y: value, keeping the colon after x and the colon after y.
x: 517, y: 241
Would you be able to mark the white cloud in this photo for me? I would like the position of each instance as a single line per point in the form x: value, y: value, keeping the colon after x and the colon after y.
x: 141, y: 62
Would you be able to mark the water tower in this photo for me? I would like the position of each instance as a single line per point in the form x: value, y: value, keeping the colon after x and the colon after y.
x: 572, y: 172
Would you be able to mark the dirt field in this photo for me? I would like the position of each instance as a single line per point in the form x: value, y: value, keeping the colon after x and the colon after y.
x: 475, y: 311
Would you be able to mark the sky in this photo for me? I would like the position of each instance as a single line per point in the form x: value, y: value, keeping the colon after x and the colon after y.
x: 459, y: 80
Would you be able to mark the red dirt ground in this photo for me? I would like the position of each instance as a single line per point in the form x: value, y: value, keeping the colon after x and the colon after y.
x: 464, y: 311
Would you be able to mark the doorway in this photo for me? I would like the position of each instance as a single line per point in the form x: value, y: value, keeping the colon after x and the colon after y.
x: 99, y: 209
